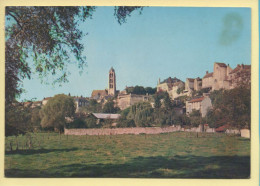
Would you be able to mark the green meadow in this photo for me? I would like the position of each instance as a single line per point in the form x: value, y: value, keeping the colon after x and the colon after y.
x: 172, y: 155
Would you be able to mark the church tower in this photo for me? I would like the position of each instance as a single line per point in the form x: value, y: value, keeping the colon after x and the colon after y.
x: 112, y: 82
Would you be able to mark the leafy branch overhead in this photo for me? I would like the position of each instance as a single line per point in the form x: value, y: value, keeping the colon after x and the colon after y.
x: 50, y: 37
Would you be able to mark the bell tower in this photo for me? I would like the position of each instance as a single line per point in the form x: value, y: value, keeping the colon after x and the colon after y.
x: 112, y: 82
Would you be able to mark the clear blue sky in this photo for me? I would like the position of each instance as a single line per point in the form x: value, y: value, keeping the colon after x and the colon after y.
x: 161, y: 42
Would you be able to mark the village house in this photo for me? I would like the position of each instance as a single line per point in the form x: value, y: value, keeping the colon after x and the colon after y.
x: 45, y: 100
x: 192, y: 85
x: 223, y: 77
x: 189, y: 86
x: 101, y: 117
x: 170, y: 85
x: 126, y: 100
x: 197, y: 84
x: 80, y: 102
x: 203, y: 104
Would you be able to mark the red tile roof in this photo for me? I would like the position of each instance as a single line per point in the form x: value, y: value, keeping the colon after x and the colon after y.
x: 222, y: 128
x: 196, y: 100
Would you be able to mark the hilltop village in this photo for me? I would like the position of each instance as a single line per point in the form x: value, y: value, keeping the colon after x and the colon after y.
x: 172, y: 102
x: 222, y: 77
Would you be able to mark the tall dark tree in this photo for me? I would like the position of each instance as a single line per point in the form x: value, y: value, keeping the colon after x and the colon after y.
x: 110, y: 107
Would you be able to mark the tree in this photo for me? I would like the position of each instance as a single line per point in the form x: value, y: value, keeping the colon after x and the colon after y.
x: 141, y: 113
x: 140, y: 90
x: 93, y: 106
x: 157, y: 102
x: 17, y: 119
x: 110, y: 107
x: 150, y: 90
x: 180, y: 90
x: 35, y: 118
x: 195, y: 118
x: 167, y: 102
x: 50, y: 36
x: 232, y: 107
x: 53, y: 114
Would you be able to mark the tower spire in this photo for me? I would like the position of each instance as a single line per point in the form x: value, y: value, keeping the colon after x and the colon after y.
x: 112, y: 82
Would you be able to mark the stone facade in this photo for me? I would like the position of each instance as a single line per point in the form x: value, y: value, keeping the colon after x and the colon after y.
x: 45, y: 100
x: 203, y: 104
x: 189, y: 86
x: 112, y: 82
x: 126, y: 100
x: 197, y: 84
x: 171, y: 85
x: 80, y: 102
x: 223, y: 77
x: 116, y: 131
x: 207, y: 80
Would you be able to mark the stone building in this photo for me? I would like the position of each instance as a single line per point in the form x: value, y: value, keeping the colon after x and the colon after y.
x: 45, y: 100
x: 192, y: 84
x: 189, y: 86
x: 112, y: 82
x: 207, y: 80
x: 126, y: 100
x: 197, y: 84
x: 223, y: 77
x: 99, y: 94
x: 170, y: 85
x: 173, y: 93
x: 203, y: 104
x: 80, y: 102
x: 220, y: 76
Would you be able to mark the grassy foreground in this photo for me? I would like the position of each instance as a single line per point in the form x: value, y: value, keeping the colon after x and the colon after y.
x: 173, y: 155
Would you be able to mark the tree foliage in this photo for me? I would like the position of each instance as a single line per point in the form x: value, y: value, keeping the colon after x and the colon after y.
x: 54, y: 112
x: 93, y: 107
x: 48, y: 36
x: 140, y: 90
x: 110, y: 107
x: 232, y: 107
x: 141, y: 113
x: 122, y: 12
x: 17, y: 119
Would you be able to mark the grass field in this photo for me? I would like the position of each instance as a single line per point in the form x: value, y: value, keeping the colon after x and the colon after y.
x: 173, y: 155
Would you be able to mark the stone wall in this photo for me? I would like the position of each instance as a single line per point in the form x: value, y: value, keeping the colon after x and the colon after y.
x: 108, y: 131
x: 135, y: 130
x: 149, y: 130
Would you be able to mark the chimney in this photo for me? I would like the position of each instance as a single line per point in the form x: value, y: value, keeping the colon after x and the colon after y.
x: 242, y: 66
x: 207, y: 72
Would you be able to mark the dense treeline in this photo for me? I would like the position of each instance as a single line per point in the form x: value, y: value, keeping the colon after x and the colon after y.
x: 140, y: 90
